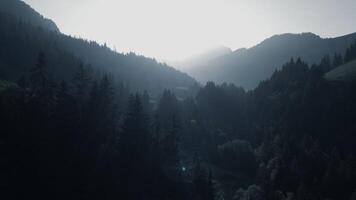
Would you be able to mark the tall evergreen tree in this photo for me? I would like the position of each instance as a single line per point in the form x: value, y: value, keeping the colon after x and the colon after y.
x: 82, y: 79
x: 338, y: 60
x: 106, y: 91
x: 41, y: 86
x: 146, y: 104
x: 39, y: 77
x: 350, y: 53
x: 325, y: 64
x: 133, y: 149
x: 167, y: 110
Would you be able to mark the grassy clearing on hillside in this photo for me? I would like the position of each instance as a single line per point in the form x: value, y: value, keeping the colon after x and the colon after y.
x: 346, y: 72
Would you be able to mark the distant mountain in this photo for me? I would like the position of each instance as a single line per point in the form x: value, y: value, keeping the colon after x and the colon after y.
x: 202, y: 59
x: 346, y: 72
x: 24, y: 33
x: 26, y: 14
x: 247, y: 67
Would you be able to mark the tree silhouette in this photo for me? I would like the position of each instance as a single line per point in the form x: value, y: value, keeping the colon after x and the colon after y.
x: 39, y: 77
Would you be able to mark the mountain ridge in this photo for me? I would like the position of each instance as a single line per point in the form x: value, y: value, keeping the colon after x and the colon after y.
x: 260, y: 61
x: 22, y: 42
x: 27, y: 14
x: 208, y: 55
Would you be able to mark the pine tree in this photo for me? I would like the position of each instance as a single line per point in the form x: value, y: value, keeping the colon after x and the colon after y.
x: 338, y: 60
x: 146, y: 102
x: 167, y: 110
x: 133, y: 148
x: 82, y: 79
x: 350, y: 53
x: 107, y: 108
x: 94, y: 93
x: 170, y: 145
x: 41, y: 87
x: 325, y: 64
x: 106, y: 91
x: 133, y: 137
x: 65, y: 114
x: 135, y: 123
x: 39, y: 77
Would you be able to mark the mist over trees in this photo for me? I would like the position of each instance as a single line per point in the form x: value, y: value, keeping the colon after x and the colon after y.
x: 290, y: 138
x: 247, y: 67
x: 69, y: 130
x: 65, y: 53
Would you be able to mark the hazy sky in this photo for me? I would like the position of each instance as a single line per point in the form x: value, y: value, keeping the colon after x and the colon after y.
x: 175, y: 29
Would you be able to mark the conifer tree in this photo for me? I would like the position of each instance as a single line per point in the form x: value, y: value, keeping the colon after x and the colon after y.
x: 133, y: 148
x: 42, y: 88
x: 82, y: 79
x: 338, y: 60
x: 146, y: 102
x: 350, y: 53
x: 39, y: 77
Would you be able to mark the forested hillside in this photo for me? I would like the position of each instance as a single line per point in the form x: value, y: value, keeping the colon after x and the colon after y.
x: 290, y: 138
x: 26, y: 14
x: 347, y: 71
x: 79, y: 121
x: 23, y: 39
x: 247, y: 67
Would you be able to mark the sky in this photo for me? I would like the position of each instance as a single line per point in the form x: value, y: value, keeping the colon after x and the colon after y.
x: 171, y: 30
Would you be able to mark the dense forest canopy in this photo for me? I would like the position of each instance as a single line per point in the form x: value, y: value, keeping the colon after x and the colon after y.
x: 71, y: 128
x: 291, y: 137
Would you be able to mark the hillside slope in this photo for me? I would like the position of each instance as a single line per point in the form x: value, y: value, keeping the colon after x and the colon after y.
x: 202, y: 58
x: 26, y: 14
x: 23, y: 40
x: 248, y: 67
x: 346, y: 72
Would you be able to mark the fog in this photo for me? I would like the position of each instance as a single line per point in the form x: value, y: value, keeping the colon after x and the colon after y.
x: 175, y: 29
x: 273, y: 122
